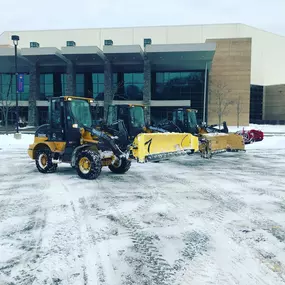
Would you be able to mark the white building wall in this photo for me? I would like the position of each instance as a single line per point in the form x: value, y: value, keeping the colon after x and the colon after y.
x: 268, y: 56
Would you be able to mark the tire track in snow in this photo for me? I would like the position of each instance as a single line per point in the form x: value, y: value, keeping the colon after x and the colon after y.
x: 221, y: 205
x: 158, y: 268
x: 80, y: 242
x: 26, y: 263
x: 227, y: 201
x: 93, y: 240
x: 196, y: 265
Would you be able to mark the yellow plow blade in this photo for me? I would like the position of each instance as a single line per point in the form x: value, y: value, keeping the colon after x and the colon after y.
x: 157, y: 146
x: 225, y: 142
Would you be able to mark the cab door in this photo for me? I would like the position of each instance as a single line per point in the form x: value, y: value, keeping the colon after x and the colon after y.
x: 56, y: 115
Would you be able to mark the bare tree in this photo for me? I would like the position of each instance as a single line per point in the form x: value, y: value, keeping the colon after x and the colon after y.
x: 6, y: 103
x: 238, y: 109
x: 110, y: 96
x: 220, y: 93
x: 115, y: 90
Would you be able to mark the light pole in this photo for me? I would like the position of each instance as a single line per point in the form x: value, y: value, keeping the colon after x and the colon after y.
x: 15, y: 40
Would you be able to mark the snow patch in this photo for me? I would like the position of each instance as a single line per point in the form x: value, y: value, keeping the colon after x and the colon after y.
x: 9, y: 142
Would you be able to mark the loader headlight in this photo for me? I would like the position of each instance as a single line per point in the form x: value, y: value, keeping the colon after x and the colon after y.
x: 75, y: 126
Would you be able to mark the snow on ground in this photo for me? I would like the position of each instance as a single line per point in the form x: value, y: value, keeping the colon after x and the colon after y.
x: 182, y: 221
x: 276, y: 129
x: 8, y: 141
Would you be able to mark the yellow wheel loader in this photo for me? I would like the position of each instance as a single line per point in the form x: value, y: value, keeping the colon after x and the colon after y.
x: 71, y: 137
x: 211, y: 140
x: 133, y: 117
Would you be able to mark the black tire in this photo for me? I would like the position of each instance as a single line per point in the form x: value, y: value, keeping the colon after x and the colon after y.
x: 123, y: 166
x: 44, y: 161
x: 93, y: 159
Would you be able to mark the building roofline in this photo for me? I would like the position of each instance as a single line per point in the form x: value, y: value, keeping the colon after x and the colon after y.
x: 121, y: 27
x: 265, y: 31
x: 140, y: 27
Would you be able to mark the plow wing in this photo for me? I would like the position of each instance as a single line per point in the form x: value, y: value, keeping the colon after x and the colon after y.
x: 220, y: 142
x: 158, y: 146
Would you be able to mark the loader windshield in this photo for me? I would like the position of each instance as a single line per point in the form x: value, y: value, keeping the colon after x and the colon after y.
x: 81, y: 113
x: 137, y: 117
x: 192, y: 119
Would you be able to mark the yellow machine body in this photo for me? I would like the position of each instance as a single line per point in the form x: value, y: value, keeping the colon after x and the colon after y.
x: 153, y: 146
x: 219, y: 142
x: 40, y: 142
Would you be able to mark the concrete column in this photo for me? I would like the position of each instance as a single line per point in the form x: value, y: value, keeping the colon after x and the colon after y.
x: 147, y: 89
x: 34, y: 96
x: 70, y: 85
x: 108, y: 87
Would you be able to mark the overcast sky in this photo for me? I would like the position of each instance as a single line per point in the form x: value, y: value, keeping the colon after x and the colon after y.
x: 66, y: 14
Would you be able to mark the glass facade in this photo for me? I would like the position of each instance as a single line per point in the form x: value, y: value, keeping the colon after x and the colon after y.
x: 130, y: 86
x: 256, y: 103
x: 46, y: 86
x: 98, y: 86
x: 8, y: 86
x: 80, y: 84
x: 178, y: 85
x: 186, y: 85
x: 133, y: 86
x: 126, y: 86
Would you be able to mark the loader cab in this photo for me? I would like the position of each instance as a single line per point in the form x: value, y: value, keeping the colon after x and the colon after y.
x: 66, y: 115
x: 133, y: 117
x: 186, y: 120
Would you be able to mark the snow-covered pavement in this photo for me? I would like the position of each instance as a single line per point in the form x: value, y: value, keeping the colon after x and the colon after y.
x: 182, y: 221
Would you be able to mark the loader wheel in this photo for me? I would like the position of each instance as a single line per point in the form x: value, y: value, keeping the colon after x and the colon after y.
x: 88, y: 164
x: 44, y: 161
x: 120, y: 167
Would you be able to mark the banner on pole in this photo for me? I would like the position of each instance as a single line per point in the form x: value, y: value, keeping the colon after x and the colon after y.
x: 20, y: 84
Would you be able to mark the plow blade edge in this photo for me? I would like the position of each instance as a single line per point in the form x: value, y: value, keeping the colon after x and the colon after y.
x: 159, y: 146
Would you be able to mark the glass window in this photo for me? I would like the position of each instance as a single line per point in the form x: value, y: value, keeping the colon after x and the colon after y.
x: 80, y: 110
x: 48, y: 78
x: 132, y: 87
x: 80, y: 90
x: 80, y: 85
x: 56, y: 114
x: 137, y: 117
x: 256, y: 103
x: 49, y: 90
x: 192, y: 119
x: 98, y: 86
x: 186, y: 85
x: 128, y: 78
x: 46, y: 86
x: 138, y: 78
x: 79, y: 78
x: 8, y: 87
x: 159, y: 77
x: 100, y: 78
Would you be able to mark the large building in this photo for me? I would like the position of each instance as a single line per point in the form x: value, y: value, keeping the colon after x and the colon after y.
x: 233, y: 69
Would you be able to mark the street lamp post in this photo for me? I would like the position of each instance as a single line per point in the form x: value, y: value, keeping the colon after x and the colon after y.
x: 15, y: 40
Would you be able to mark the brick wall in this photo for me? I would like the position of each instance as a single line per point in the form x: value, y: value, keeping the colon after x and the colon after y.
x: 229, y: 80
